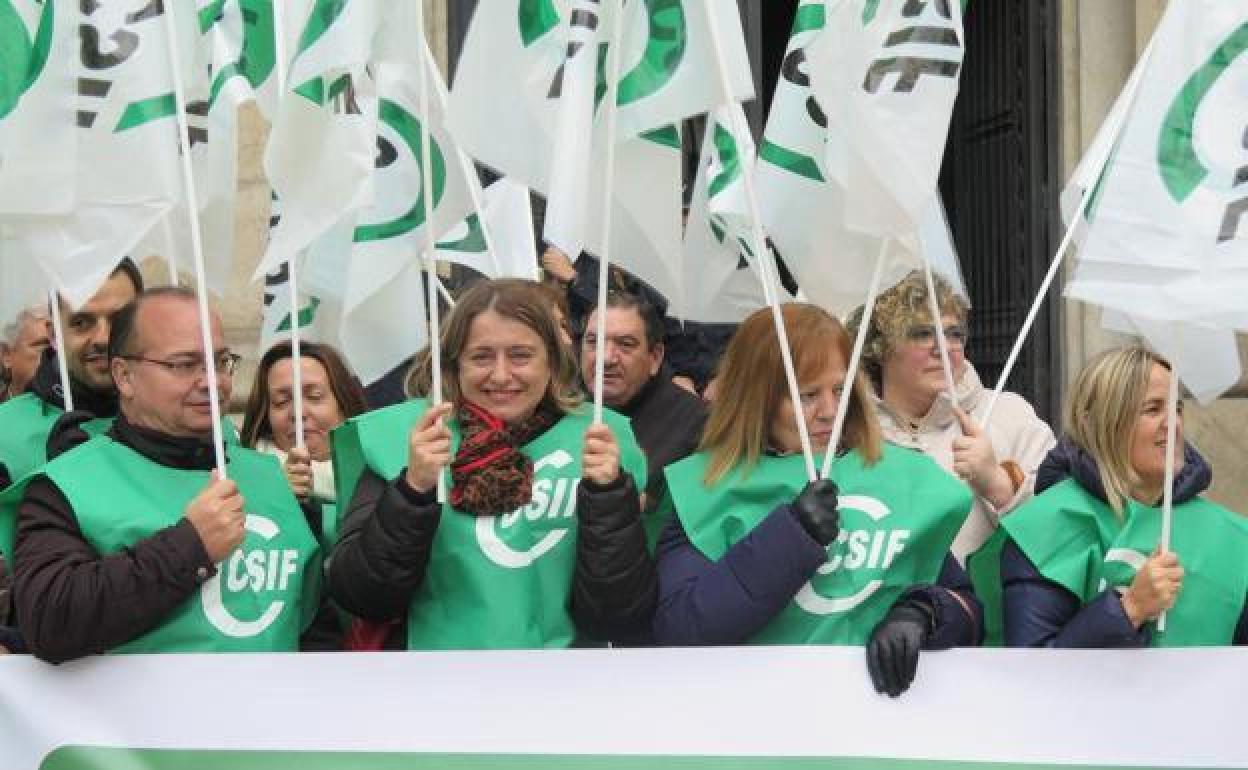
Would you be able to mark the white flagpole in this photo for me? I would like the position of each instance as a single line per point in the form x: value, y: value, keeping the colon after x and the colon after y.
x: 770, y: 273
x: 292, y: 273
x: 1167, y: 493
x: 604, y: 259
x: 1056, y: 263
x: 855, y: 359
x: 171, y: 258
x: 442, y: 291
x: 62, y: 361
x: 537, y: 260
x: 197, y: 239
x: 933, y: 303
x: 431, y: 241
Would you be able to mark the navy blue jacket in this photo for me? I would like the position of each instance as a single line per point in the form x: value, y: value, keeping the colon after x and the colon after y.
x: 1042, y: 613
x: 704, y: 602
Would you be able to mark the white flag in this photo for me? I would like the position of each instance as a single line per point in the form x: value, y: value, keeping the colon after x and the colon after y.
x: 889, y: 71
x: 802, y: 180
x: 127, y: 169
x: 38, y: 145
x: 720, y: 277
x: 1168, y: 234
x: 509, y: 216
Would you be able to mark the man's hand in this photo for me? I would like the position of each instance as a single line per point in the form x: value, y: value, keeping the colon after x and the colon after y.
x: 557, y: 264
x: 601, y: 460
x: 217, y: 515
x: 429, y: 448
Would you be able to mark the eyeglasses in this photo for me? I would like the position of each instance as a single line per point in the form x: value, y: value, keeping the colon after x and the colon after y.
x: 924, y: 335
x: 190, y: 367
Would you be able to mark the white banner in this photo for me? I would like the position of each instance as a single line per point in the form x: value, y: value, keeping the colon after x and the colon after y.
x: 737, y: 708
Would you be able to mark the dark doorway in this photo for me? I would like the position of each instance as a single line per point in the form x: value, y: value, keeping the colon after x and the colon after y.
x: 1000, y: 186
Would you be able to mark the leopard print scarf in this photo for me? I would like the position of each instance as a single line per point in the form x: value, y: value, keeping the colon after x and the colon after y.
x: 490, y: 475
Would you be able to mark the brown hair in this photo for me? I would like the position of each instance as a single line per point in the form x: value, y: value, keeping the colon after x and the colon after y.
x: 516, y: 300
x: 345, y: 387
x: 1101, y: 411
x: 752, y: 386
x: 896, y: 311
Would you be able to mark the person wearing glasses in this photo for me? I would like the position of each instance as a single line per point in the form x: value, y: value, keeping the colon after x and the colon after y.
x: 132, y: 542
x: 902, y: 360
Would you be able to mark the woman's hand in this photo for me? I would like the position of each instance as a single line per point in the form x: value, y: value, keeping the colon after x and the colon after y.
x: 601, y: 460
x: 1154, y: 589
x: 975, y: 462
x: 298, y: 469
x: 428, y: 448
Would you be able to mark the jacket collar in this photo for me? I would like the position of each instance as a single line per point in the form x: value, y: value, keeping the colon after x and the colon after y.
x: 183, y: 453
x: 1069, y: 460
x: 46, y: 384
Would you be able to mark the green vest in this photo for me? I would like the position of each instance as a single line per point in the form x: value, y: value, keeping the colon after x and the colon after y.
x: 1075, y: 540
x: 898, y: 519
x: 27, y: 420
x: 494, y: 582
x: 262, y: 596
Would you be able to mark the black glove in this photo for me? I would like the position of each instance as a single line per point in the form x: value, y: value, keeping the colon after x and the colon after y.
x: 67, y: 433
x: 816, y: 511
x: 893, y: 652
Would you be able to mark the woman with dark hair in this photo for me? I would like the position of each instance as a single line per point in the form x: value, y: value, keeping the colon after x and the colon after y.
x: 1083, y: 565
x: 331, y: 394
x: 540, y: 541
x: 756, y: 555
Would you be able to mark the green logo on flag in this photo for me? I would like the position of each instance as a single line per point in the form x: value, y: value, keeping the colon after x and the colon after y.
x: 537, y: 17
x: 665, y: 49
x: 408, y: 127
x: 306, y: 316
x: 1181, y: 168
x: 21, y: 59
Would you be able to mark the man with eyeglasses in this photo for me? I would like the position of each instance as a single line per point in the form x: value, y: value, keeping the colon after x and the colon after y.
x: 28, y: 419
x: 132, y: 542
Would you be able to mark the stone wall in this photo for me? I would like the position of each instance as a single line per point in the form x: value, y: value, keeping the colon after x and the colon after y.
x: 1100, y: 43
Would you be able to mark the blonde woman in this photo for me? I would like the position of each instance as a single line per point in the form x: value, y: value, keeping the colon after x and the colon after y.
x: 997, y: 462
x: 755, y: 555
x: 1082, y: 567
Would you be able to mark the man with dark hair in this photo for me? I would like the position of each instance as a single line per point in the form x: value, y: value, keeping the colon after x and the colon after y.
x: 132, y: 542
x: 667, y: 419
x: 28, y: 420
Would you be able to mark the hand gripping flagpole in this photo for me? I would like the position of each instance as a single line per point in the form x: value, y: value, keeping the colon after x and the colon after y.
x: 855, y: 359
x: 766, y: 261
x: 1056, y: 263
x: 62, y: 360
x: 608, y: 198
x: 292, y: 273
x: 431, y: 243
x: 197, y: 239
x: 1167, y: 493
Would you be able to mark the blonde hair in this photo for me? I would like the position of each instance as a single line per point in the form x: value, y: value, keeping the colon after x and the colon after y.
x: 899, y: 309
x: 1101, y: 411
x: 516, y: 300
x: 752, y: 387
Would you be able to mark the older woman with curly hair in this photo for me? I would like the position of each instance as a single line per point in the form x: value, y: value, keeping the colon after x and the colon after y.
x: 902, y: 358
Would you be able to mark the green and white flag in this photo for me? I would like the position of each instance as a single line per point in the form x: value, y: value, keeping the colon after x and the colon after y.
x: 507, y: 212
x: 127, y: 172
x: 720, y: 278
x: 888, y: 71
x: 38, y: 146
x: 1167, y: 239
x: 803, y: 183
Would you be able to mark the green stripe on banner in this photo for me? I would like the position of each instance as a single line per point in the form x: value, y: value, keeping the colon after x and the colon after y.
x: 802, y: 165
x: 139, y: 113
x: 89, y: 758
x: 209, y: 14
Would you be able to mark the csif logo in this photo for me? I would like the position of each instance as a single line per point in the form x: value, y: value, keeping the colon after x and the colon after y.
x: 1121, y: 564
x: 865, y: 550
x: 554, y: 503
x: 1206, y: 127
x: 251, y: 570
